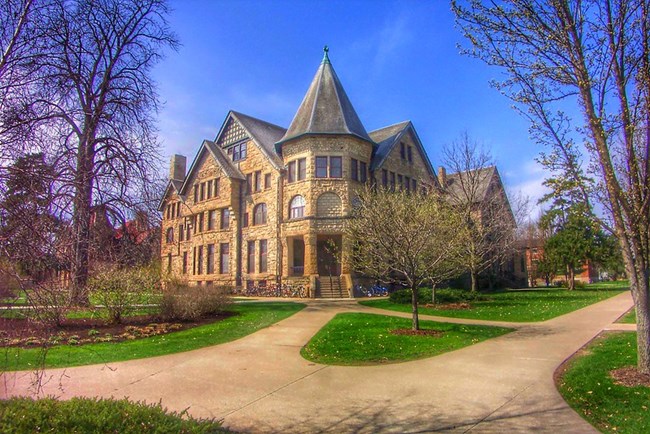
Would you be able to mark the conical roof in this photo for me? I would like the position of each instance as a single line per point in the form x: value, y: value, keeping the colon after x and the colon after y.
x: 326, y: 109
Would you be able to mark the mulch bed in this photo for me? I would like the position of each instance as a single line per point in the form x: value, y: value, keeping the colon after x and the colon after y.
x: 629, y: 376
x: 21, y: 332
x: 410, y: 332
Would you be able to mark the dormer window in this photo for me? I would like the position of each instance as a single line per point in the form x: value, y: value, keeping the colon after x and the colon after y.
x: 237, y: 152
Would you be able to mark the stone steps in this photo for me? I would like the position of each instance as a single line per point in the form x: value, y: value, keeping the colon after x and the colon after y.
x: 330, y: 288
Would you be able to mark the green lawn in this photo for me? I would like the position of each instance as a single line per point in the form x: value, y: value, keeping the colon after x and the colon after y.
x: 366, y: 339
x: 628, y: 318
x: 247, y: 318
x: 588, y: 388
x: 514, y: 305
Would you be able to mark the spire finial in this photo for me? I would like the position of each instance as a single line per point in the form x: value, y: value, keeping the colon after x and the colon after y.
x: 326, y: 58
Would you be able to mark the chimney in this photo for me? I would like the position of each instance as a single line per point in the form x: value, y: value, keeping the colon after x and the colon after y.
x: 442, y: 176
x: 177, y: 167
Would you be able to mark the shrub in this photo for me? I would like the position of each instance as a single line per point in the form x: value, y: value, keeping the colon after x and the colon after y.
x: 182, y: 302
x: 97, y: 415
x: 443, y: 295
x: 48, y: 303
x: 119, y: 290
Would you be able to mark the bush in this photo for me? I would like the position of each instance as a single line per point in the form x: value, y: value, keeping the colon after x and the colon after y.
x: 120, y: 290
x: 443, y: 295
x: 81, y: 415
x: 48, y: 303
x: 182, y: 302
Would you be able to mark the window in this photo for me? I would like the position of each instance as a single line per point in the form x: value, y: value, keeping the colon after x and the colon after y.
x: 321, y: 167
x: 259, y: 214
x: 196, y: 193
x: 184, y: 270
x: 297, y: 207
x: 410, y: 154
x: 210, y: 253
x: 202, y: 194
x: 354, y: 169
x: 208, y: 186
x: 292, y: 172
x: 225, y: 218
x: 402, y: 151
x: 216, y: 187
x: 224, y: 263
x: 263, y: 256
x: 170, y: 235
x: 212, y: 216
x: 238, y: 151
x: 258, y: 180
x: 169, y: 262
x: 251, y: 256
x: 363, y: 173
x: 407, y: 183
x: 336, y: 167
x: 267, y: 181
x: 302, y: 169
x: 245, y: 222
x: 399, y: 181
x: 392, y: 181
x: 188, y: 231
x: 168, y: 212
x: 199, y: 260
x: 414, y: 185
x: 384, y: 177
x: 249, y: 183
x: 201, y: 222
x: 181, y: 233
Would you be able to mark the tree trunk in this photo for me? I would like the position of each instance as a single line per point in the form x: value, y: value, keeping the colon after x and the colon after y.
x: 474, y: 277
x: 642, y: 328
x: 571, y: 281
x: 81, y: 226
x: 433, y: 294
x: 414, y: 302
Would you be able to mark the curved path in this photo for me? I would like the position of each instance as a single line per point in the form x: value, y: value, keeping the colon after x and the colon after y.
x: 260, y: 383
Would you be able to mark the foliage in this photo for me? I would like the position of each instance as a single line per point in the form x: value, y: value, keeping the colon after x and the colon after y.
x: 79, y: 415
x: 590, y: 58
x: 443, y: 295
x: 362, y: 339
x: 405, y: 238
x: 590, y: 390
x: 240, y: 320
x: 121, y: 290
x: 48, y: 302
x: 183, y: 302
x: 514, y: 305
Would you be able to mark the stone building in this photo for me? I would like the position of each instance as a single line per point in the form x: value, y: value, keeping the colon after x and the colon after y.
x: 262, y: 205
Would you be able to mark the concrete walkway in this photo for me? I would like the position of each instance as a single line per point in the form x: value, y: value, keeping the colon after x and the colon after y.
x: 260, y: 383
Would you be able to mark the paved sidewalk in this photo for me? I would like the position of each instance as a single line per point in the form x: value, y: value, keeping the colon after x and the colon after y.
x: 260, y: 383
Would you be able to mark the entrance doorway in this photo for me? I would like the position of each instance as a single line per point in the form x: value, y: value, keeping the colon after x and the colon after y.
x: 328, y: 249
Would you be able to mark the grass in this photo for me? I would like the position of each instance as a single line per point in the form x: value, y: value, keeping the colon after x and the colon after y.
x: 246, y: 319
x: 609, y: 284
x: 81, y: 312
x: 588, y: 388
x: 79, y: 415
x: 366, y: 339
x: 514, y: 305
x: 628, y: 318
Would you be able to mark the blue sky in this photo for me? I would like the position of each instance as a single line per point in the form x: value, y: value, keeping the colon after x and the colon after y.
x: 397, y: 60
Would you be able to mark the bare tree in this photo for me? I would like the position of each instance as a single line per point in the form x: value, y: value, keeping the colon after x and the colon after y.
x: 593, y: 56
x: 100, y: 103
x: 408, y: 239
x: 476, y: 192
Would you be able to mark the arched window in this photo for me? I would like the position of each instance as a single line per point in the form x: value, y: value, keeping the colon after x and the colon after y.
x: 170, y: 235
x: 328, y: 205
x: 297, y: 207
x: 259, y: 214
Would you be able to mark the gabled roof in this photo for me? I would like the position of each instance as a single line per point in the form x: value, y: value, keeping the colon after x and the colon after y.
x: 326, y: 108
x: 220, y: 157
x: 264, y: 134
x: 388, y: 137
x: 457, y: 182
x: 174, y: 185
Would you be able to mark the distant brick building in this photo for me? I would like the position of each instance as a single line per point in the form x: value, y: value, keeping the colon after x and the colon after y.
x: 263, y: 204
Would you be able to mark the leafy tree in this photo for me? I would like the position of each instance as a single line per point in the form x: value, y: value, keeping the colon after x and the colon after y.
x: 575, y: 241
x: 407, y: 239
x: 590, y: 57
